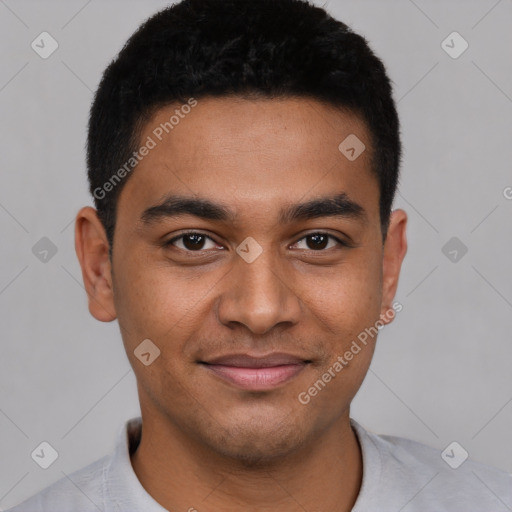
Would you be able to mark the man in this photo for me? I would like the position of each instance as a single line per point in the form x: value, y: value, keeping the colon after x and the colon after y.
x: 243, y: 156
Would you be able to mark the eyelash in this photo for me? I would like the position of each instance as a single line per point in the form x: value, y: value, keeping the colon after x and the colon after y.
x: 172, y: 240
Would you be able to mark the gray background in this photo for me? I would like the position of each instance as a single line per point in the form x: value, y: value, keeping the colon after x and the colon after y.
x: 442, y: 370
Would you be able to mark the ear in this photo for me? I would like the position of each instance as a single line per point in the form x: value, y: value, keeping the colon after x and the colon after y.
x: 394, y: 252
x: 91, y: 246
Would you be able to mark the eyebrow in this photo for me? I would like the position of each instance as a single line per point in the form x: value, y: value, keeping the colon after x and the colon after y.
x: 178, y: 205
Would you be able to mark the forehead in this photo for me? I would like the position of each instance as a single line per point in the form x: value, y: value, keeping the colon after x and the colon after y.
x: 255, y: 155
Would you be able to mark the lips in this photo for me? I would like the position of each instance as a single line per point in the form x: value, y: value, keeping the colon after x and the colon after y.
x: 256, y: 373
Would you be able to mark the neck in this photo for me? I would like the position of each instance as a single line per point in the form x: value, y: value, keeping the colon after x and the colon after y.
x: 182, y: 475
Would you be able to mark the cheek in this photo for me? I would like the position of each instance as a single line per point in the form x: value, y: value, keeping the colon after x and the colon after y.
x: 152, y: 305
x: 346, y: 309
x: 346, y: 298
x: 166, y: 305
x: 148, y: 301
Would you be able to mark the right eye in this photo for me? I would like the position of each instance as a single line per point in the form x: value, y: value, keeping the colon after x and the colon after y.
x: 192, y: 241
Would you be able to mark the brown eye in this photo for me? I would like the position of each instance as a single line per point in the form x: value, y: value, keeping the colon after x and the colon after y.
x: 191, y: 242
x: 319, y: 241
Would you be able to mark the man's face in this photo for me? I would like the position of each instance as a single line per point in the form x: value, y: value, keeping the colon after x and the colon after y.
x: 198, y: 299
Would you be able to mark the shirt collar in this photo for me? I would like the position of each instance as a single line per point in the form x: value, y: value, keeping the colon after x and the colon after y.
x: 372, y: 469
x: 124, y: 490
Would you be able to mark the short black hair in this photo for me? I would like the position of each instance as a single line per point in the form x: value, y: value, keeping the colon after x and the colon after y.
x: 246, y: 48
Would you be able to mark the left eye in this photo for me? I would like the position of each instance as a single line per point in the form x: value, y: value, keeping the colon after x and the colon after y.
x: 319, y: 241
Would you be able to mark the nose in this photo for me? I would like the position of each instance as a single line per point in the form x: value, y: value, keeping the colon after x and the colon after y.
x: 259, y: 295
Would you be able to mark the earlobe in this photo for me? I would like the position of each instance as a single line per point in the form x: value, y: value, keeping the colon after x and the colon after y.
x: 91, y: 246
x: 395, y: 249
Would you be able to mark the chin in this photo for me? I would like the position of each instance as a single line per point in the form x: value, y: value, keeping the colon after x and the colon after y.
x: 258, y: 444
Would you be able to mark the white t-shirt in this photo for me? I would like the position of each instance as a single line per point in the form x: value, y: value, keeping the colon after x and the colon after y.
x: 399, y: 475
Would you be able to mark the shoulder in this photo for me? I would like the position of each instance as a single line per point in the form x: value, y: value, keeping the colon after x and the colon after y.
x: 413, y: 476
x: 80, y: 491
